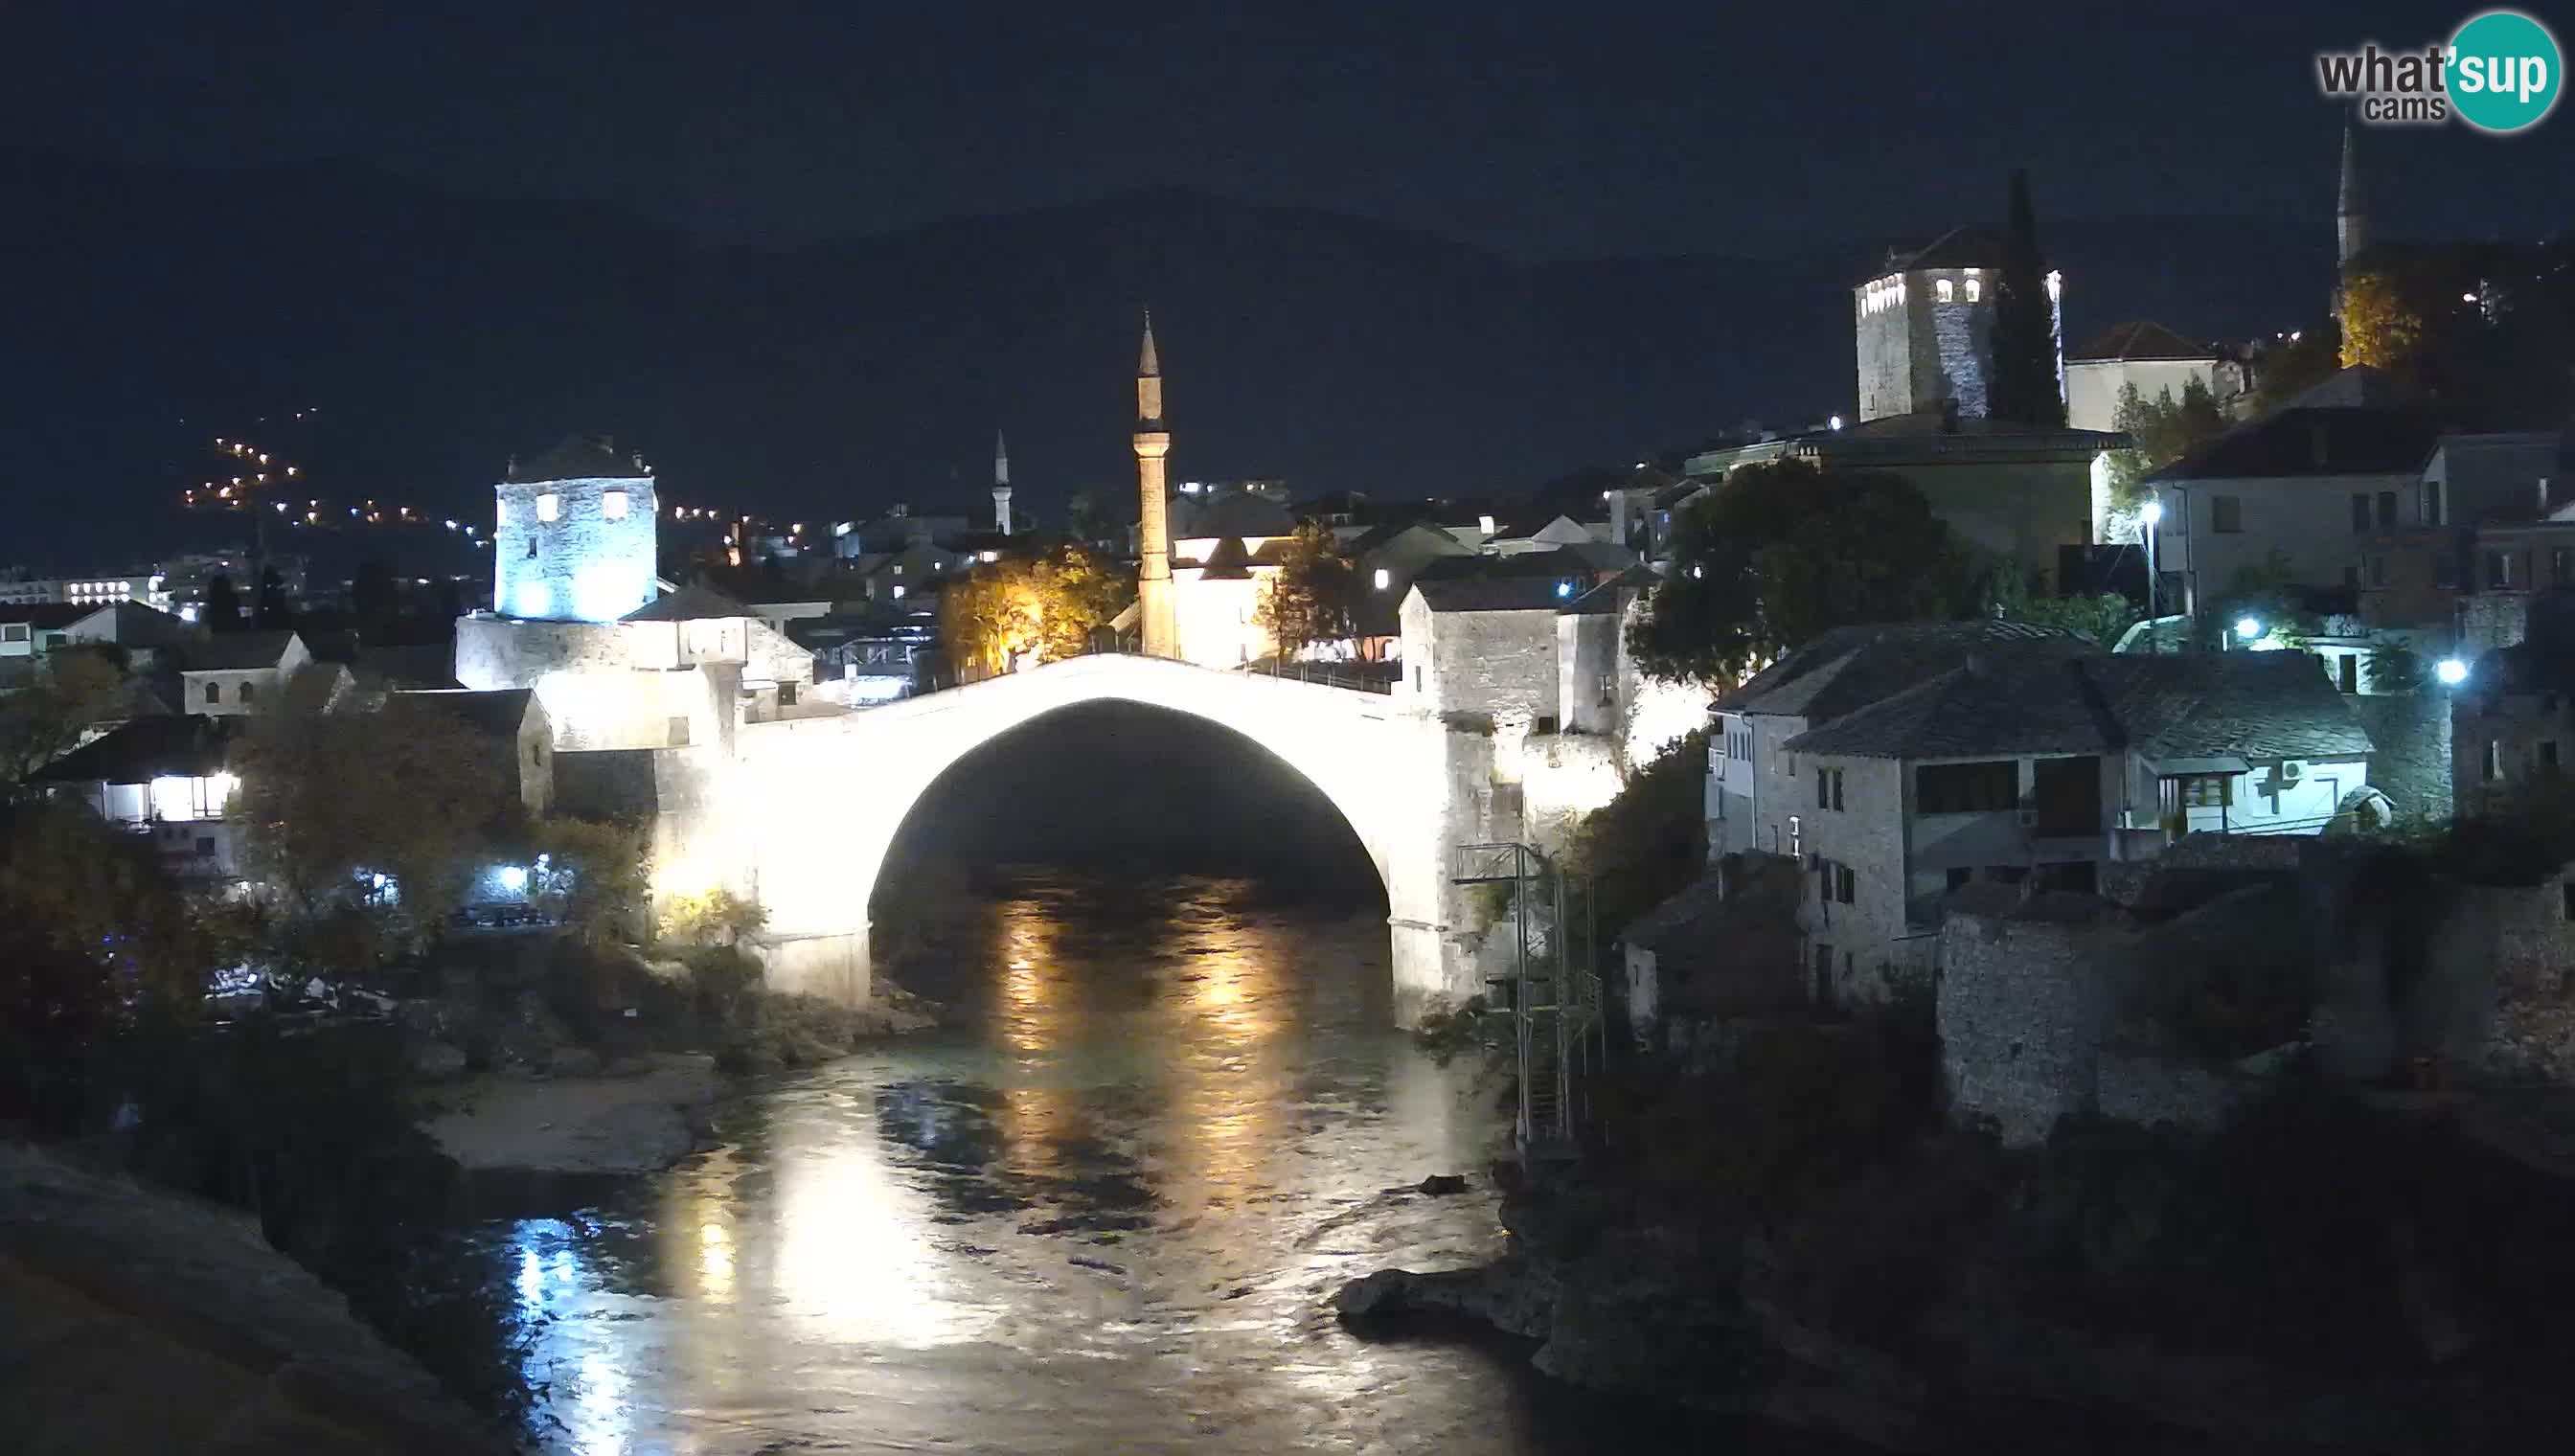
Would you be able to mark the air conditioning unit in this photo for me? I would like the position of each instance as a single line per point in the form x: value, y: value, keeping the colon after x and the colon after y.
x: 2289, y: 771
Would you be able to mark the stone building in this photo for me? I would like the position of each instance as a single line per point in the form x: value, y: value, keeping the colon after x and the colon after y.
x: 576, y: 535
x: 238, y: 672
x: 1925, y: 322
x: 2513, y: 723
x: 2154, y: 361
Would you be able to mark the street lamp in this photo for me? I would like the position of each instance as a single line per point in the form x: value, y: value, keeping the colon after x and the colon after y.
x: 2451, y: 672
x: 2247, y: 628
x: 2153, y: 513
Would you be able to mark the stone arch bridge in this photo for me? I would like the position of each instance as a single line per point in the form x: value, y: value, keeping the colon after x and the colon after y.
x: 800, y: 814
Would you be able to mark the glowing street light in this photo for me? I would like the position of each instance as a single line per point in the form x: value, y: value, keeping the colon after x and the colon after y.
x: 2451, y: 672
x: 2247, y: 628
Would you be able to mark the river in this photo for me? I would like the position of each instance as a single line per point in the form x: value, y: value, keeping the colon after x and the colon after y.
x: 1103, y: 1208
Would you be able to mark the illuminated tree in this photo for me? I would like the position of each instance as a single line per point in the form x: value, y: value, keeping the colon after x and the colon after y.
x: 2162, y: 430
x: 594, y: 876
x: 710, y: 918
x: 2381, y: 328
x: 2103, y: 616
x: 1044, y: 609
x: 1312, y: 596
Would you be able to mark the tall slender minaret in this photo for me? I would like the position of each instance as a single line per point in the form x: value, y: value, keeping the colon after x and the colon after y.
x: 1153, y: 531
x: 2351, y: 214
x: 1001, y: 483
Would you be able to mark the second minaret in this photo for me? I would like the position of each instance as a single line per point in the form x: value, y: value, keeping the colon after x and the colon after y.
x: 1160, y: 626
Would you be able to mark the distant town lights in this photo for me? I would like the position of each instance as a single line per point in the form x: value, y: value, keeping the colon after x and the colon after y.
x: 2451, y: 672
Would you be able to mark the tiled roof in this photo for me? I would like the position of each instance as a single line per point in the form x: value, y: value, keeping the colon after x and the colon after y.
x: 2255, y: 706
x: 1560, y: 561
x: 581, y: 457
x: 238, y: 652
x: 44, y: 615
x: 2140, y: 340
x: 499, y: 711
x: 2318, y: 441
x: 1851, y: 667
x: 1234, y: 513
x: 186, y: 745
x: 1491, y: 593
x: 690, y: 604
x: 1610, y: 595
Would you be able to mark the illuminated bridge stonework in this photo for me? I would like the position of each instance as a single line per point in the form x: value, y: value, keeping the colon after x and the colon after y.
x: 813, y: 804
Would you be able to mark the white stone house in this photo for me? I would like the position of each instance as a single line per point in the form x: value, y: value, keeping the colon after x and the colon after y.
x: 1484, y: 646
x: 168, y: 780
x: 1753, y: 797
x: 240, y: 672
x: 2512, y: 724
x: 2155, y: 360
x: 2014, y: 767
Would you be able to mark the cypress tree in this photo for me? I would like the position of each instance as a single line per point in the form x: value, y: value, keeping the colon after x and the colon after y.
x: 2026, y: 389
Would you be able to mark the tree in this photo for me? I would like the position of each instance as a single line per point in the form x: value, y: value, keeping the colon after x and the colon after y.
x: 2394, y: 666
x: 2291, y: 367
x: 47, y: 719
x: 593, y: 876
x: 1780, y: 552
x: 2027, y: 390
x: 1314, y: 596
x: 710, y: 918
x: 272, y: 600
x: 2381, y: 326
x: 2103, y: 617
x: 2160, y: 431
x: 332, y: 799
x: 222, y: 608
x: 1084, y: 519
x: 1043, y: 608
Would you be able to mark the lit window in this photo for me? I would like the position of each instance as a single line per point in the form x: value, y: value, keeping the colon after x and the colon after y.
x: 1975, y: 289
x: 1948, y: 291
x: 549, y: 506
x: 1382, y: 579
x: 612, y: 505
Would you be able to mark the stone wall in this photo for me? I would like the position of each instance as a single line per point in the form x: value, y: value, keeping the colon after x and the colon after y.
x: 1498, y: 662
x: 2023, y: 1009
x: 2497, y: 1001
x: 582, y: 565
x: 2410, y: 757
x: 2490, y: 620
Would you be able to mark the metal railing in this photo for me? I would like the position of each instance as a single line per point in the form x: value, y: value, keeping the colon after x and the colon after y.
x: 1553, y: 989
x: 1325, y: 675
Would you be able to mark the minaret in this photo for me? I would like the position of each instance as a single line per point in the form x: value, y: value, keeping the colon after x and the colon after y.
x: 2351, y: 214
x: 1153, y: 531
x: 1001, y: 483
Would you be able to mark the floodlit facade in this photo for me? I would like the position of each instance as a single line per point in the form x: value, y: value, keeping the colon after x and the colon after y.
x: 573, y: 537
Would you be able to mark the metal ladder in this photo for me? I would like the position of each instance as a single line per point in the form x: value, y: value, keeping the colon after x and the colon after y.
x: 1552, y: 990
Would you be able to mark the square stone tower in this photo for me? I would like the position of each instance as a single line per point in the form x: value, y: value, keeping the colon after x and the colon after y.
x: 576, y: 540
x: 1925, y: 327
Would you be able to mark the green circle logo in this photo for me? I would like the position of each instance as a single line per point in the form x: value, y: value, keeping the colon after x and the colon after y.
x: 2504, y: 71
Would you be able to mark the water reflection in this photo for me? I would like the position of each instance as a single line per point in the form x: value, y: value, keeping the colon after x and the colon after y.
x: 1100, y: 1210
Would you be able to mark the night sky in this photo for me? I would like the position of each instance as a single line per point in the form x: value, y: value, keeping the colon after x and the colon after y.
x: 1542, y: 134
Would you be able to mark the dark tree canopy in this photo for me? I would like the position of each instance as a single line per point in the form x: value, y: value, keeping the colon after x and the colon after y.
x: 222, y: 610
x: 272, y: 600
x: 1782, y: 552
x: 2026, y: 389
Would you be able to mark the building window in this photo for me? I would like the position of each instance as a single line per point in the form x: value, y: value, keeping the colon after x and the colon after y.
x: 2566, y: 900
x: 1383, y: 578
x: 2490, y: 767
x: 2548, y: 752
x: 2208, y: 791
x: 1416, y: 679
x: 1950, y: 789
x: 2561, y: 566
x: 1975, y: 289
x: 1608, y: 689
x: 1844, y: 883
x: 1797, y: 837
x: 1958, y: 876
x: 2431, y: 503
x: 2378, y: 570
x: 249, y: 690
x: 612, y: 505
x: 549, y: 506
x: 2498, y: 570
x: 13, y: 632
x: 2359, y: 512
x: 2445, y: 570
x: 1838, y: 789
x: 1823, y: 790
x: 2387, y: 510
x: 1948, y: 291
x: 2225, y: 514
x: 214, y: 692
x: 678, y: 732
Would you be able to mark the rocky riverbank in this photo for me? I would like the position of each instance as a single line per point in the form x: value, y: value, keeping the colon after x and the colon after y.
x: 139, y: 1320
x: 632, y: 1116
x: 2323, y: 1276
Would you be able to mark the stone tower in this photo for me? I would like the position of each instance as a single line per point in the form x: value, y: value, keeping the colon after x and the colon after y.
x: 575, y: 538
x: 1924, y: 328
x: 1001, y: 483
x: 2351, y: 214
x: 1161, y: 627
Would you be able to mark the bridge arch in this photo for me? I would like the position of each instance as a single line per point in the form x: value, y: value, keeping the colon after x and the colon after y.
x: 817, y: 802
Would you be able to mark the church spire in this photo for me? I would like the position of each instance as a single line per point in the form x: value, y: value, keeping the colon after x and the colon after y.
x: 2351, y: 211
